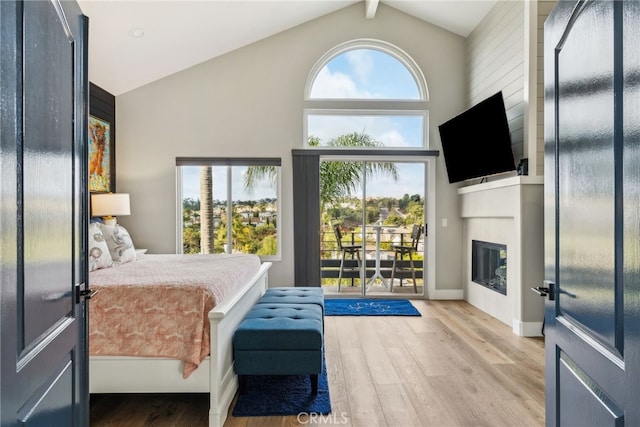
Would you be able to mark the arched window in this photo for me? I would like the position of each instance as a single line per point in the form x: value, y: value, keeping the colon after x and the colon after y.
x: 367, y: 87
x: 365, y: 166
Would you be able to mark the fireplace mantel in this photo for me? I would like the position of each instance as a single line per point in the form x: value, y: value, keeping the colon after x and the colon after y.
x: 510, y: 212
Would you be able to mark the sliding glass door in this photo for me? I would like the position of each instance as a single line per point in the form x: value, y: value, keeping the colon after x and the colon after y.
x: 368, y: 210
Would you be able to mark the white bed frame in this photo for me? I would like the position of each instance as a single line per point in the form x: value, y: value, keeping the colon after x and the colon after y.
x: 119, y: 374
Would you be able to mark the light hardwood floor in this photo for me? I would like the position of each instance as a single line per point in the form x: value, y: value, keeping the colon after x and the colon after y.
x: 454, y: 366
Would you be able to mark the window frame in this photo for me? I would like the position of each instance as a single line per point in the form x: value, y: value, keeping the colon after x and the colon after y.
x: 372, y: 107
x: 368, y: 112
x: 306, y: 206
x: 372, y: 44
x: 306, y: 161
x: 229, y: 162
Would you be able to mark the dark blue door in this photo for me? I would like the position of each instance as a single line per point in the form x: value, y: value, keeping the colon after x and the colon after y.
x: 43, y: 215
x: 592, y: 213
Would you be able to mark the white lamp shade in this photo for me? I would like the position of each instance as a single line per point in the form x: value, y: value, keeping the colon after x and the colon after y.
x: 110, y: 204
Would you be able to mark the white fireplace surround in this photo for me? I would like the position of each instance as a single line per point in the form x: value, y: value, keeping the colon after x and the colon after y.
x: 507, y: 211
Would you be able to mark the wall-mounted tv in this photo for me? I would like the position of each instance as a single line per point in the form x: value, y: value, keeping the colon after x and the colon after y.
x: 477, y: 143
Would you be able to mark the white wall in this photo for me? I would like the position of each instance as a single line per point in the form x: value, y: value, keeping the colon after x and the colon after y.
x: 508, y: 212
x: 249, y: 102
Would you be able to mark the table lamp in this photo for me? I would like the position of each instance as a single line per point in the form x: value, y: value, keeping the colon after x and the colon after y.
x: 109, y: 205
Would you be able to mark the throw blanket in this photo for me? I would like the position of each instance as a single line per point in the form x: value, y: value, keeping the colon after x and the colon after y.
x: 158, y: 306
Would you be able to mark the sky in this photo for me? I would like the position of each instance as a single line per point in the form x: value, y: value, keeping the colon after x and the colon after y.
x: 410, y: 181
x: 263, y: 189
x: 356, y: 74
x: 367, y: 74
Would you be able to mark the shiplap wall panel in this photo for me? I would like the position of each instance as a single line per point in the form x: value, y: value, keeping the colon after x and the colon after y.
x: 496, y: 16
x: 544, y: 9
x: 492, y: 43
x: 495, y: 62
x: 492, y: 36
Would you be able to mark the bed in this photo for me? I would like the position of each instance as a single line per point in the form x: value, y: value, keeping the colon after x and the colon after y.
x: 192, y: 304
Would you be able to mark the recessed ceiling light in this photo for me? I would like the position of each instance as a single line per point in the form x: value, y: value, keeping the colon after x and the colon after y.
x: 136, y: 33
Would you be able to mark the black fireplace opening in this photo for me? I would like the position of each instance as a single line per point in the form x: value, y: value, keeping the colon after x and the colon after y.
x: 489, y: 265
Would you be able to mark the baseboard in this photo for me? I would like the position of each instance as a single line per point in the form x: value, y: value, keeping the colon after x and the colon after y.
x: 527, y: 329
x: 444, y: 294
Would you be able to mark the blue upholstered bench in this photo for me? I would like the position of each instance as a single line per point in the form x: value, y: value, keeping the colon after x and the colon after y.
x: 279, y: 339
x: 297, y: 295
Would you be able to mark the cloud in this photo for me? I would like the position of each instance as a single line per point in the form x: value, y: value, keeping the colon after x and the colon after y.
x: 330, y: 84
x: 410, y: 181
x: 326, y: 127
x: 393, y: 138
x: 361, y: 63
x: 392, y: 131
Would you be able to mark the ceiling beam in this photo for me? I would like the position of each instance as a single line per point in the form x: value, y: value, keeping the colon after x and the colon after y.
x: 371, y: 6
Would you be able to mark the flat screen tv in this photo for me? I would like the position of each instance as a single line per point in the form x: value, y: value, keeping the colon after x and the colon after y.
x: 477, y: 143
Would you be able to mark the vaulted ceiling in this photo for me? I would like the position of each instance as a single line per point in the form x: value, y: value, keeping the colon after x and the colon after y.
x: 132, y: 43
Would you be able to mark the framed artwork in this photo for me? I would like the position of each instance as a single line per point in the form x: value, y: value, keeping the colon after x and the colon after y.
x: 101, y: 147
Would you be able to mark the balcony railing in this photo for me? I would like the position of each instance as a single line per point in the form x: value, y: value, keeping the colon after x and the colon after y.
x: 331, y: 256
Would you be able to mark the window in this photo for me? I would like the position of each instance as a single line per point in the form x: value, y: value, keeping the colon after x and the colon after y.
x: 385, y: 128
x: 363, y: 70
x: 365, y: 165
x: 213, y: 193
x: 366, y: 87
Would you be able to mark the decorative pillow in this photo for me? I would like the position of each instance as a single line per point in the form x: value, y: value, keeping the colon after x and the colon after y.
x: 119, y: 242
x: 99, y: 255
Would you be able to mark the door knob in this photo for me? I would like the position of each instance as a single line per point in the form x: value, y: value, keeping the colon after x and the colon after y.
x: 547, y: 290
x: 84, y: 293
x: 541, y: 290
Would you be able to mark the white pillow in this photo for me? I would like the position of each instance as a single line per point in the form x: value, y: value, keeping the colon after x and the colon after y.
x: 119, y: 242
x: 99, y: 255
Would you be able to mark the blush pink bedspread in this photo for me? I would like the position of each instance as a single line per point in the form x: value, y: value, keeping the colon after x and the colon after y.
x: 158, y: 306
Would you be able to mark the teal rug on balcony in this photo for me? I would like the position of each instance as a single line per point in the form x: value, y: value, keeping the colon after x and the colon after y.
x: 369, y: 307
x: 269, y: 395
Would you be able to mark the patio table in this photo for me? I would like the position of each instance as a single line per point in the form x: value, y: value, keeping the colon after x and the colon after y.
x: 377, y: 274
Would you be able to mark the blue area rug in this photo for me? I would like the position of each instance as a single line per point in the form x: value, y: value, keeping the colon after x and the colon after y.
x: 369, y: 307
x: 269, y: 395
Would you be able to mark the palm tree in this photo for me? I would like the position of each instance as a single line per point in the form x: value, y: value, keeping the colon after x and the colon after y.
x: 256, y: 173
x: 206, y: 210
x: 341, y: 179
x: 337, y: 179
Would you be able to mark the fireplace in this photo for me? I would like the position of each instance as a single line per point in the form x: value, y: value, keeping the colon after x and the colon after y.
x: 509, y: 212
x: 489, y: 265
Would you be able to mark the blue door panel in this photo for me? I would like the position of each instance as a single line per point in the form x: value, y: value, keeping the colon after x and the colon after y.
x: 588, y: 404
x: 592, y: 213
x: 586, y: 177
x: 47, y: 153
x: 43, y: 216
x: 49, y: 405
